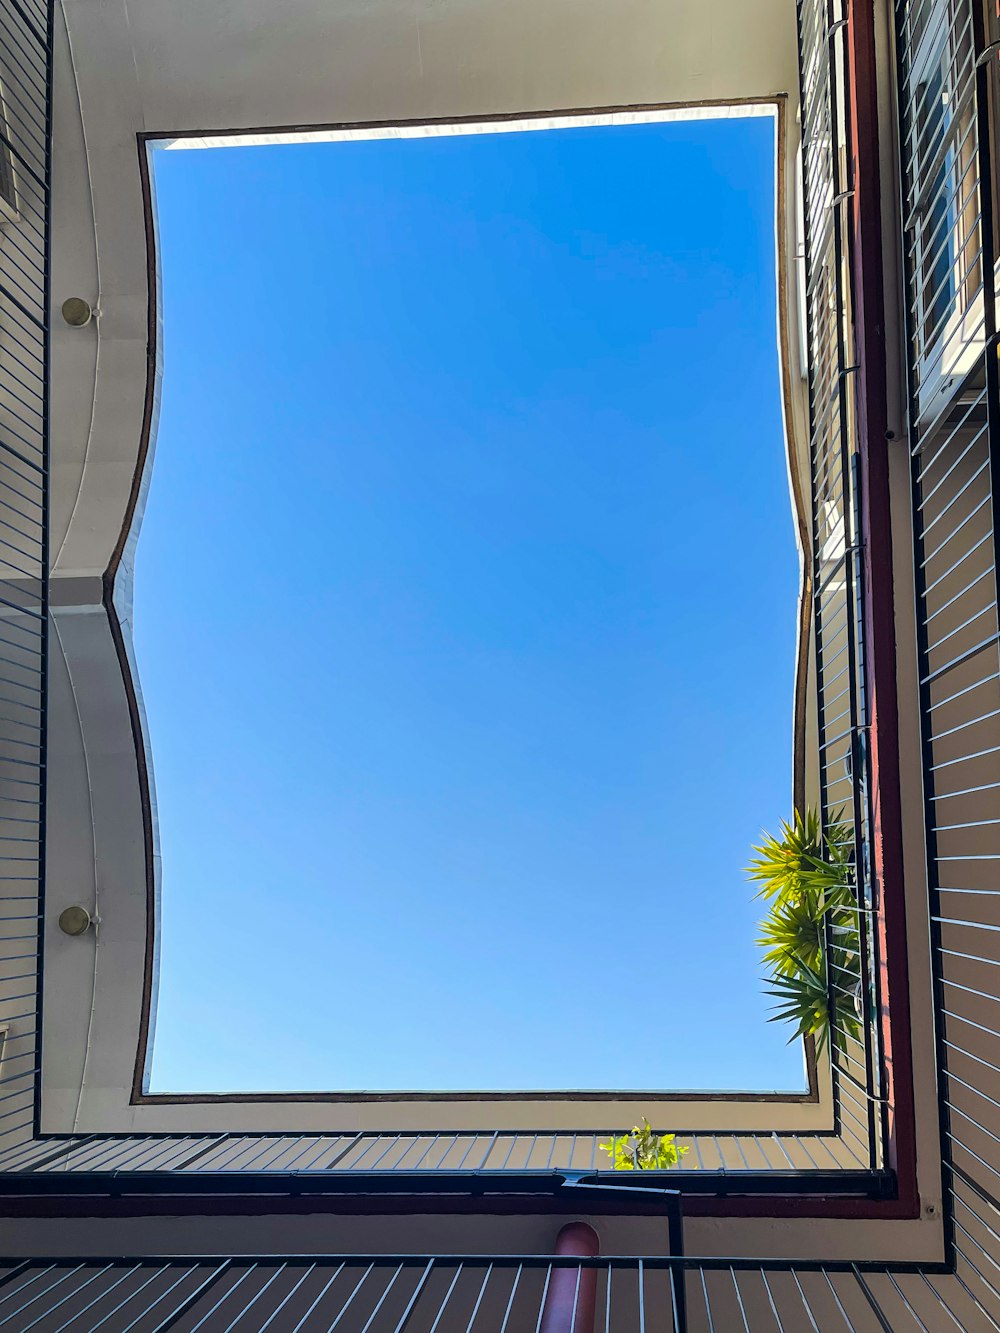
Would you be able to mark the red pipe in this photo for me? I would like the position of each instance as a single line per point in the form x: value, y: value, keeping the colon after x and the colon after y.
x: 572, y: 1292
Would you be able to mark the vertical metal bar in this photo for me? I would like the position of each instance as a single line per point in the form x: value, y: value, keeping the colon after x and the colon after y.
x: 339, y: 1157
x: 708, y: 1303
x: 343, y: 1309
x: 576, y: 1304
x: 141, y: 1316
x: 251, y: 1268
x: 479, y: 1298
x: 255, y: 1298
x: 382, y: 1299
x: 192, y: 1300
x: 44, y: 570
x: 322, y: 1292
x: 510, y: 1302
x: 827, y: 97
x: 16, y: 1271
x: 862, y: 854
x: 844, y: 252
x: 873, y: 1303
x: 805, y: 1304
x: 404, y: 1318
x: 113, y: 1314
x: 51, y: 1309
x: 885, y: 954
x: 542, y: 1302
x: 202, y: 1152
x: 739, y: 1299
x: 675, y: 1246
x: 286, y: 1298
x: 675, y: 1278
x: 940, y: 1300
x: 100, y: 1297
x: 489, y: 1149
x: 57, y: 1283
x: 770, y: 1298
x: 447, y: 1297
x: 902, y: 1296
x: 836, y: 1297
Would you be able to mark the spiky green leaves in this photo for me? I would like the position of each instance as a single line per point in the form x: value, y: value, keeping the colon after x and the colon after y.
x: 803, y: 860
x: 792, y: 936
x: 810, y: 935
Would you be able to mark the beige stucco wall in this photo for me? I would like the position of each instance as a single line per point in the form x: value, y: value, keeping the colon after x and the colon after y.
x: 323, y: 1232
x: 166, y: 69
x: 149, y: 68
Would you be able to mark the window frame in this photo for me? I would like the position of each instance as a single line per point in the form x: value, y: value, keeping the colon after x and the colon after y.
x: 948, y: 297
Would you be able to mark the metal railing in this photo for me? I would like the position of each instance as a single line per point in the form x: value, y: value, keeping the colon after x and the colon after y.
x: 715, y: 1164
x: 947, y: 82
x: 25, y: 116
x: 473, y: 1294
x: 837, y: 576
x: 829, y: 1162
x: 949, y: 247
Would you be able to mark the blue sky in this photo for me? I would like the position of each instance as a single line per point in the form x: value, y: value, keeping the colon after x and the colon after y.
x: 465, y: 608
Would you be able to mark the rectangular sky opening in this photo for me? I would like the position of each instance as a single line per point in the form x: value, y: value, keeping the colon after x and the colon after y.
x: 465, y: 611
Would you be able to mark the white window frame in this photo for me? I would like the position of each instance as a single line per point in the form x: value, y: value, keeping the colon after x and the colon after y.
x: 954, y: 344
x: 10, y: 207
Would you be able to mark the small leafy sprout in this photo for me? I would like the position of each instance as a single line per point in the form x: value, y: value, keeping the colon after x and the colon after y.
x: 643, y: 1150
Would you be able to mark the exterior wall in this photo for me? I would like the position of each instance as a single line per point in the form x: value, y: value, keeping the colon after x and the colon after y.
x: 156, y: 70
x: 448, y: 1295
x: 321, y: 1231
x: 86, y: 1011
x: 83, y: 636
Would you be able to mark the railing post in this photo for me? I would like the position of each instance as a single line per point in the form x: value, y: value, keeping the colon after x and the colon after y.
x: 572, y: 1292
x: 889, y: 945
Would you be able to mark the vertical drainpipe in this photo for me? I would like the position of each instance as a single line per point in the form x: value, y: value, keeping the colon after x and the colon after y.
x: 572, y: 1292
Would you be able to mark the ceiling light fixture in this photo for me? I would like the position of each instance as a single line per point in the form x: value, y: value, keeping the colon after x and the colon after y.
x: 75, y: 921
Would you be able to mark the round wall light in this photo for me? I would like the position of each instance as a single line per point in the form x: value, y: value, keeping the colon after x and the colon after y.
x: 77, y: 312
x: 75, y: 921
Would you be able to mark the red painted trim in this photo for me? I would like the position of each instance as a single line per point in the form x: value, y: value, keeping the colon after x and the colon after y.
x: 880, y: 637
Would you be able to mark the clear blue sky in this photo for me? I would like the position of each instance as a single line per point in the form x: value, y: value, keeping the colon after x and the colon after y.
x: 465, y: 608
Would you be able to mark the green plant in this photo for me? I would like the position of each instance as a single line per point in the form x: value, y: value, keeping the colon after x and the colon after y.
x: 810, y: 934
x: 643, y: 1150
x: 803, y: 859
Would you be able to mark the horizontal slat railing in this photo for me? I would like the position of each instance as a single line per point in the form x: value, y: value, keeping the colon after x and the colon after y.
x: 473, y: 1294
x: 450, y: 1151
x: 24, y: 315
x: 947, y: 84
x: 844, y: 793
x: 795, y: 1161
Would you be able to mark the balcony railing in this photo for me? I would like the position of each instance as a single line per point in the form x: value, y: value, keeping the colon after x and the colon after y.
x: 948, y: 108
x: 476, y: 1294
x: 837, y: 575
x: 25, y: 114
x: 449, y: 1150
x: 849, y: 1159
x: 950, y: 255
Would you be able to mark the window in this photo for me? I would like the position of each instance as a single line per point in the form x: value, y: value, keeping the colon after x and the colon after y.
x: 9, y: 211
x: 945, y: 229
